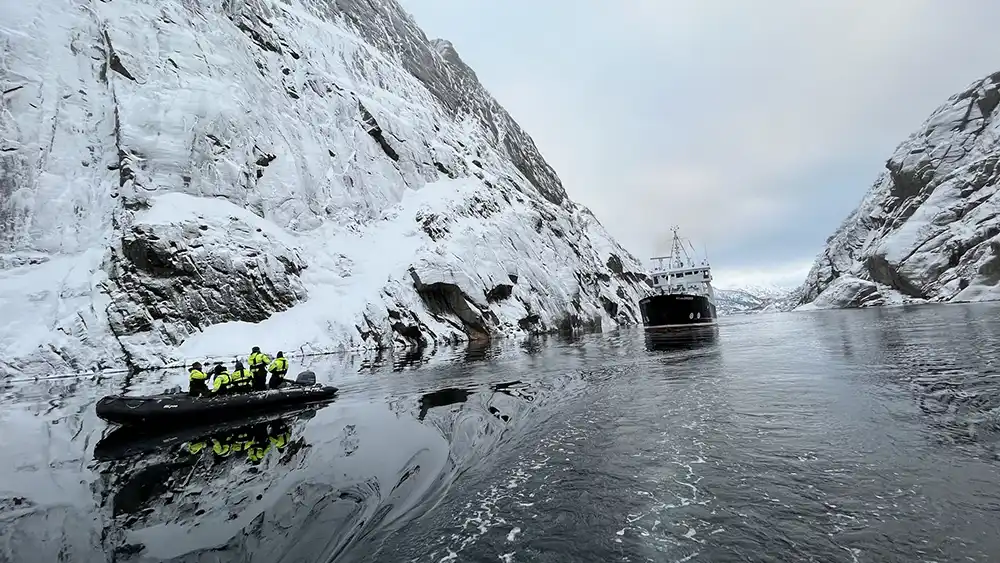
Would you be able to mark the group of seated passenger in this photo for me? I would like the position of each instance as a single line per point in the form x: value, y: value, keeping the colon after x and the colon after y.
x: 241, y: 380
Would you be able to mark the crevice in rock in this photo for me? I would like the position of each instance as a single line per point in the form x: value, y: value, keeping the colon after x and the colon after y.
x: 573, y: 323
x: 988, y: 102
x: 908, y: 182
x: 114, y: 61
x: 266, y: 159
x: 447, y: 299
x: 529, y: 322
x: 883, y: 272
x: 373, y: 129
x: 257, y: 38
x: 129, y: 361
x: 990, y: 270
x: 442, y: 169
x: 614, y: 264
x: 964, y: 121
x: 499, y: 293
x: 409, y: 332
x: 610, y: 307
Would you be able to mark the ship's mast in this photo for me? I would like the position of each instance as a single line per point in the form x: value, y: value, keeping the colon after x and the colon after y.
x: 677, y: 249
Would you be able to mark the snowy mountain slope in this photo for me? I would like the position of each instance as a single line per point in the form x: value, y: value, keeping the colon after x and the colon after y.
x: 183, y: 179
x: 750, y: 299
x: 929, y: 228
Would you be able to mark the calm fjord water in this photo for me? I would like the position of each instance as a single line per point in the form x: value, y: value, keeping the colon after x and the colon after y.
x: 829, y: 436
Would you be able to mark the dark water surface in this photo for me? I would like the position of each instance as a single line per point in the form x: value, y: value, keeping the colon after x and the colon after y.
x: 829, y: 436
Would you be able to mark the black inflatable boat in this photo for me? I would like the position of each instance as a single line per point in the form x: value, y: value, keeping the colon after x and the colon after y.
x: 170, y: 409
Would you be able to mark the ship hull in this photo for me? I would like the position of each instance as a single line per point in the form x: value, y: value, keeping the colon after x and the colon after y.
x: 677, y: 310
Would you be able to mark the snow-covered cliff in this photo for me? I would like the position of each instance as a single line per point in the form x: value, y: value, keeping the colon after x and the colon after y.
x: 189, y: 178
x: 929, y: 228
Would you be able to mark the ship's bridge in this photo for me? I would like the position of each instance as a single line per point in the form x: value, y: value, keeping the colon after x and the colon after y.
x: 674, y: 276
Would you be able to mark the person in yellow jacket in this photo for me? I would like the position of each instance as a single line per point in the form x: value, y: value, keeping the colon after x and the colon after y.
x: 221, y: 382
x: 241, y: 378
x: 258, y: 367
x: 236, y: 382
x: 197, y: 381
x: 278, y: 369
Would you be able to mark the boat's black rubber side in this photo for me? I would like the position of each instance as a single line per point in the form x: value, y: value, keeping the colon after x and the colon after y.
x: 676, y: 309
x: 180, y: 409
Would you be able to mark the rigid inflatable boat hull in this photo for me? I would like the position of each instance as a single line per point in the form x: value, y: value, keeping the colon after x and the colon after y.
x: 175, y: 409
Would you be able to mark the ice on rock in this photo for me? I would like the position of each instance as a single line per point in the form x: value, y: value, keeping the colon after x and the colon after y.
x: 928, y: 229
x: 182, y: 180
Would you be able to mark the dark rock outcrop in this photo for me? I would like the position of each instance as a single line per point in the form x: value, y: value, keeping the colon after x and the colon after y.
x: 169, y: 280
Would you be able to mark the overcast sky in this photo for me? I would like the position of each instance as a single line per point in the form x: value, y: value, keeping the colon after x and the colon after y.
x: 754, y: 126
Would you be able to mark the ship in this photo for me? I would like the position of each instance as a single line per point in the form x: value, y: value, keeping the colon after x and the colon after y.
x: 682, y: 293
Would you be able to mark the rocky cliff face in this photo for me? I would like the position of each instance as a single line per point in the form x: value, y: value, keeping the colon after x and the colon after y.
x: 929, y: 228
x: 184, y: 179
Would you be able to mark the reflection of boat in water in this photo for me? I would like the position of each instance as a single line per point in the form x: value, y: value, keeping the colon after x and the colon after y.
x: 145, y: 481
x: 128, y: 441
x: 136, y: 488
x: 683, y: 293
x: 181, y: 409
x: 682, y: 338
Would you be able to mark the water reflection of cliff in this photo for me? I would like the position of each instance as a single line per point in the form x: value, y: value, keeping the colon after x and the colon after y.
x: 284, y: 488
x: 180, y: 479
x: 902, y: 346
x: 254, y: 492
x: 289, y: 488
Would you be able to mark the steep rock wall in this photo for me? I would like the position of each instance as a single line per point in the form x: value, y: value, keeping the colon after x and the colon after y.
x: 928, y: 230
x: 196, y: 177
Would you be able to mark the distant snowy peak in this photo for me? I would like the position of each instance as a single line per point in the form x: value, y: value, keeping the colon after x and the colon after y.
x: 929, y: 228
x: 188, y: 178
x: 765, y: 290
x: 751, y: 299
